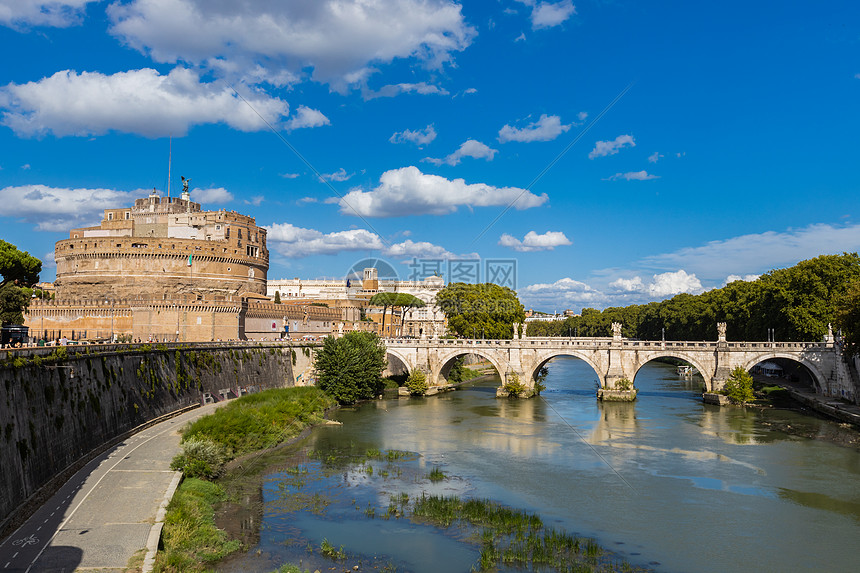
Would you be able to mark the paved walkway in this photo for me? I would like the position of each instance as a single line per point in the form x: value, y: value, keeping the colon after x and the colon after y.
x: 833, y: 407
x: 106, y: 513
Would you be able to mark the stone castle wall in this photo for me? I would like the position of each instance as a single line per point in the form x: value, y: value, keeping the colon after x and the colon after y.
x: 54, y: 412
x: 136, y: 267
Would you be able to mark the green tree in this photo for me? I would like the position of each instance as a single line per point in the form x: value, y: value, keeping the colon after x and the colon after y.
x: 417, y: 383
x: 18, y: 270
x: 277, y: 297
x: 478, y: 310
x: 385, y: 300
x: 350, y: 368
x: 739, y: 386
x: 848, y: 318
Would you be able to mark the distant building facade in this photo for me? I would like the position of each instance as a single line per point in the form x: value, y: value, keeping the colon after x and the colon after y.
x: 428, y: 321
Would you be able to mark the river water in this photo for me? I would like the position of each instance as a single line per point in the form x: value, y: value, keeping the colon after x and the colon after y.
x: 666, y: 483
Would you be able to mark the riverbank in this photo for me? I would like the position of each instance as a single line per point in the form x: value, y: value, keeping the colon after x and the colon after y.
x: 242, y: 430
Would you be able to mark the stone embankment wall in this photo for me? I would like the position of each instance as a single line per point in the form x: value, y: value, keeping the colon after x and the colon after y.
x: 58, y: 405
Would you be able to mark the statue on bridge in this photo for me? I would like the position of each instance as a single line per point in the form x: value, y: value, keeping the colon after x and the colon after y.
x: 616, y: 330
x: 721, y: 331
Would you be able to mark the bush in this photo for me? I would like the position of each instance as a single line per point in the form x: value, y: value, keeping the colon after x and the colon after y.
x: 513, y: 386
x: 200, y: 458
x: 417, y: 383
x: 739, y: 387
x: 623, y: 384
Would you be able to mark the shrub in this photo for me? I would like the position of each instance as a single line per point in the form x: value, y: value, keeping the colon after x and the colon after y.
x: 417, y: 383
x: 200, y: 458
x: 739, y: 386
x: 513, y: 386
x: 623, y: 384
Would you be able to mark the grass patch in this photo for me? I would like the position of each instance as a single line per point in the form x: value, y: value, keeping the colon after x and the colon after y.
x: 436, y: 474
x: 191, y: 540
x: 258, y: 421
x: 512, y: 537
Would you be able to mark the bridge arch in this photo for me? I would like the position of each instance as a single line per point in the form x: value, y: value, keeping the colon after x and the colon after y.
x: 817, y: 378
x: 401, y: 357
x: 500, y: 364
x: 697, y: 364
x: 544, y: 357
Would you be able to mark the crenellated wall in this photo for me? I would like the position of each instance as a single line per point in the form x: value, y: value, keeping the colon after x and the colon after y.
x: 56, y: 409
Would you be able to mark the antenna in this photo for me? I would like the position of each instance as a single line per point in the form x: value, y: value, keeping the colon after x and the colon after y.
x: 169, y: 158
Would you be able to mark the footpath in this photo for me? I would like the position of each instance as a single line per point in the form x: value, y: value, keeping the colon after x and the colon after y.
x: 838, y: 409
x: 109, y: 513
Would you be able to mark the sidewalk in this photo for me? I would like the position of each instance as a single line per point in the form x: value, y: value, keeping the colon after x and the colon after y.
x: 105, y: 514
x: 832, y: 407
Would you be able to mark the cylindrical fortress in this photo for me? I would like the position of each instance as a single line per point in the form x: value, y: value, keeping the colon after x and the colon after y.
x: 162, y: 247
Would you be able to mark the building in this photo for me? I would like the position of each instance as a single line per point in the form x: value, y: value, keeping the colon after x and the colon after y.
x: 350, y: 292
x: 164, y: 269
x: 162, y: 245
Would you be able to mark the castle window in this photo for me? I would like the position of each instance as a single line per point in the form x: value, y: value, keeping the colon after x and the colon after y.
x: 127, y: 215
x: 110, y: 216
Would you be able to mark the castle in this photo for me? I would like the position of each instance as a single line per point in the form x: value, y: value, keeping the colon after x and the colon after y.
x: 166, y: 270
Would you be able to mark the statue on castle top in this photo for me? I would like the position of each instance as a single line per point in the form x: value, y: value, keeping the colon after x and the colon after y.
x: 185, y: 183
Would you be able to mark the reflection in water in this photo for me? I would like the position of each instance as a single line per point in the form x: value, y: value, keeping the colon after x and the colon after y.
x: 710, y: 489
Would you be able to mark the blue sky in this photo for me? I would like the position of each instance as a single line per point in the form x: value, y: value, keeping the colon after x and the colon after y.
x: 617, y: 151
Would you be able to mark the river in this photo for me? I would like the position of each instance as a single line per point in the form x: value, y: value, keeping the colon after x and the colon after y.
x: 666, y: 483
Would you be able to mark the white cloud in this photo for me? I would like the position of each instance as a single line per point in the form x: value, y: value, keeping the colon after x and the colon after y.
x: 48, y: 260
x: 549, y: 14
x: 59, y: 209
x: 289, y: 175
x: 660, y: 286
x: 563, y: 293
x: 339, y: 175
x: 628, y: 285
x: 307, y: 117
x: 521, y: 37
x: 296, y: 242
x: 547, y: 128
x: 534, y: 242
x: 409, y: 249
x: 604, y: 148
x: 305, y: 200
x: 755, y: 253
x: 256, y: 200
x: 143, y: 102
x: 419, y: 137
x: 57, y: 13
x: 334, y: 38
x: 213, y: 195
x: 673, y: 283
x: 745, y: 278
x: 394, y: 90
x: 632, y: 176
x: 408, y: 191
x: 469, y: 148
x: 582, y: 116
x: 654, y: 157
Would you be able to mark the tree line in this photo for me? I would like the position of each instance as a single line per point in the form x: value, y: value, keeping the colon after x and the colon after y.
x: 791, y: 304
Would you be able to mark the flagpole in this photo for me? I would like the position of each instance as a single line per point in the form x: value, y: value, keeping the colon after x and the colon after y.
x: 169, y: 158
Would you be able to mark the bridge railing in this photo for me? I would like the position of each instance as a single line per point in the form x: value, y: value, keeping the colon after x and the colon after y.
x: 602, y: 342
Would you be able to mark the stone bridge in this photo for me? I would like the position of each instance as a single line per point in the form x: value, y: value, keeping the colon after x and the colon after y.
x: 615, y: 358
